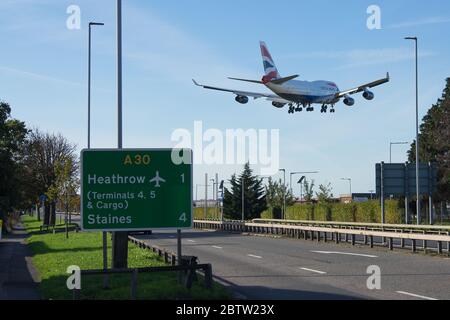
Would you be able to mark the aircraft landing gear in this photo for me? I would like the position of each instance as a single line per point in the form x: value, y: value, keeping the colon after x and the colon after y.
x: 291, y: 109
x: 324, y: 109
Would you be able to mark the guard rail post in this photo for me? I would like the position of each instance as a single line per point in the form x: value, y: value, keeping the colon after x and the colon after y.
x: 208, y: 276
x: 134, y: 281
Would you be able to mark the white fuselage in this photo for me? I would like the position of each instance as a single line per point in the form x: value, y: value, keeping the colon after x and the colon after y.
x: 306, y: 92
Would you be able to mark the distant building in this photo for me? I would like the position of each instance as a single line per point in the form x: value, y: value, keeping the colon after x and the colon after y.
x: 201, y: 204
x: 357, y: 197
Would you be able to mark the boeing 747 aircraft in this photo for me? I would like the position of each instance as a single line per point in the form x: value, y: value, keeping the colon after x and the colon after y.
x: 298, y: 94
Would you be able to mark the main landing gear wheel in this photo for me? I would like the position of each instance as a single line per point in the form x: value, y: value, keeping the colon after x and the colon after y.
x: 291, y: 109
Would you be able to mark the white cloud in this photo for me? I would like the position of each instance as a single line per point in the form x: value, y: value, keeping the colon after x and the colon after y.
x: 363, y: 57
x: 168, y: 51
x: 420, y: 22
x: 40, y: 77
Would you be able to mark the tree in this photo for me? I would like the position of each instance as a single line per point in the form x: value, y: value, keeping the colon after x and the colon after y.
x: 44, y: 153
x: 434, y: 141
x: 325, y: 194
x: 275, y: 193
x: 308, y: 188
x: 12, y: 137
x: 254, y: 196
x: 65, y: 185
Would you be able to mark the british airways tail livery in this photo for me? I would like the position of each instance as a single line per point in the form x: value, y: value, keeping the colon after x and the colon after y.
x: 298, y: 94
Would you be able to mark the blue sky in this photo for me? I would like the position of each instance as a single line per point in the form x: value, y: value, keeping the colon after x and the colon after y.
x: 167, y: 43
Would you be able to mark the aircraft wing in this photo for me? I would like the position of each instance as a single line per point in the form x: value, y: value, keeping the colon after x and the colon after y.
x: 363, y: 87
x: 278, y: 99
x: 254, y: 95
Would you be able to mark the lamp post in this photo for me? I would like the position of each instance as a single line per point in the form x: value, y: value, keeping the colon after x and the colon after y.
x: 243, y: 200
x: 120, y: 239
x: 91, y: 24
x: 390, y: 149
x: 300, y: 182
x: 104, y: 234
x: 297, y: 173
x: 284, y: 193
x: 417, y: 128
x: 350, y: 181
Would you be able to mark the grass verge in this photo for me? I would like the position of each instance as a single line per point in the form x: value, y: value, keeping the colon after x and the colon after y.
x: 53, y: 254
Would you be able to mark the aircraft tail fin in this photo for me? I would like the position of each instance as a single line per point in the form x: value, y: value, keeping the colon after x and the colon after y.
x: 271, y: 71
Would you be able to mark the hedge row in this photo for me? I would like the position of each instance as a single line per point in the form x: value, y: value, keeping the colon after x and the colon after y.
x: 213, y: 214
x: 366, y: 212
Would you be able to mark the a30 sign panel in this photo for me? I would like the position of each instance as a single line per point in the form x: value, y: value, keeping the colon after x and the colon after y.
x: 136, y: 189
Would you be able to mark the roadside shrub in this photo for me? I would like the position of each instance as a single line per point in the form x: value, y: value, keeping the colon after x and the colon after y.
x: 368, y: 212
x: 394, y: 212
x: 300, y: 212
x: 323, y: 212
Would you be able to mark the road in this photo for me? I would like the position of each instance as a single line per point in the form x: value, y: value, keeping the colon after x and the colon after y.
x: 279, y: 268
x: 258, y: 267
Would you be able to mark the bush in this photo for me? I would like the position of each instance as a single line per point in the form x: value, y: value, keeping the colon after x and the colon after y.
x: 212, y: 214
x: 300, y: 212
x: 365, y: 212
x: 394, y: 212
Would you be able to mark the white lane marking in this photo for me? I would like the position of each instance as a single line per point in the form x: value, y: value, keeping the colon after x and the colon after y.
x: 346, y: 254
x: 416, y: 295
x: 253, y: 256
x: 216, y: 247
x: 314, y: 271
x: 192, y: 241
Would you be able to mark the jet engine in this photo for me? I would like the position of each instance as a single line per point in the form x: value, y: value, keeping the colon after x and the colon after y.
x: 242, y: 99
x: 368, y: 95
x: 278, y: 105
x: 349, y: 101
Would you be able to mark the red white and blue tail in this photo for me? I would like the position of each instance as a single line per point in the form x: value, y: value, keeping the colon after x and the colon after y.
x: 271, y: 71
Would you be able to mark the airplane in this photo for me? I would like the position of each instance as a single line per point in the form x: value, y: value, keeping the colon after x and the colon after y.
x: 298, y: 94
x: 157, y: 180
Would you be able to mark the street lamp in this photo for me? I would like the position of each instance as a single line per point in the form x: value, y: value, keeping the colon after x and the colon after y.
x: 196, y: 190
x: 297, y: 173
x: 417, y: 128
x: 104, y: 234
x: 349, y: 180
x: 390, y: 149
x: 284, y: 193
x: 91, y: 24
x: 243, y: 200
x: 300, y: 182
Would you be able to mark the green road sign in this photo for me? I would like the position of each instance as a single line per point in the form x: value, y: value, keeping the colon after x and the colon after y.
x: 136, y: 190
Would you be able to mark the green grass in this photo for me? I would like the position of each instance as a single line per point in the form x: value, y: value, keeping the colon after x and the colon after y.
x: 53, y: 254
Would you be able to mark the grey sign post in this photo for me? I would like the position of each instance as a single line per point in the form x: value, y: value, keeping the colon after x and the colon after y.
x: 399, y: 180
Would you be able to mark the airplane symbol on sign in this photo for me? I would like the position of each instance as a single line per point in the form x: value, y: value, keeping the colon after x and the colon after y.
x: 157, y: 180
